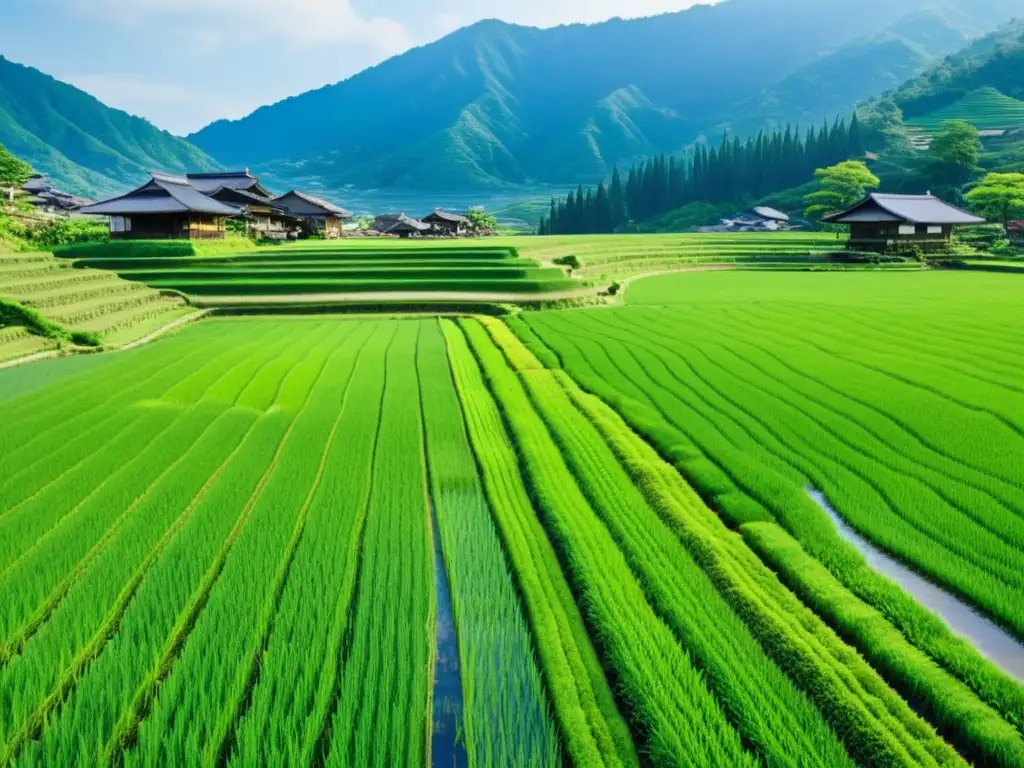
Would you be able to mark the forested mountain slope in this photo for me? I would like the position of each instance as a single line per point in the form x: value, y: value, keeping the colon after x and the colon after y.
x: 496, y: 104
x: 87, y: 147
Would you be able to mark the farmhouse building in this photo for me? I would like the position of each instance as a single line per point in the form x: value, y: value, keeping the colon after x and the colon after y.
x: 263, y: 217
x: 318, y: 216
x: 884, y: 222
x: 449, y: 224
x: 400, y: 225
x: 162, y: 208
x: 758, y: 219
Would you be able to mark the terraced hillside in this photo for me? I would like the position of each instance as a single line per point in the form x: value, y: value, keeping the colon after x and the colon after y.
x: 343, y: 273
x: 92, y: 300
x: 985, y: 108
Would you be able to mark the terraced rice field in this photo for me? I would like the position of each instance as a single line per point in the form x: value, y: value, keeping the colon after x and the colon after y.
x: 93, y: 300
x: 244, y: 544
x: 330, y: 269
x: 985, y: 109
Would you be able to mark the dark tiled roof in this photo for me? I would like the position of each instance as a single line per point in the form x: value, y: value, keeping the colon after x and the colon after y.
x: 914, y: 209
x: 328, y: 207
x: 445, y: 216
x: 162, y: 194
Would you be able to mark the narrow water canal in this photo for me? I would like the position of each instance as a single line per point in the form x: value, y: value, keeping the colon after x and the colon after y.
x: 448, y: 742
x: 996, y: 644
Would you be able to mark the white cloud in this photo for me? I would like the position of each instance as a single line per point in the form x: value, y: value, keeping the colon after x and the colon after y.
x: 295, y: 22
x: 172, y: 106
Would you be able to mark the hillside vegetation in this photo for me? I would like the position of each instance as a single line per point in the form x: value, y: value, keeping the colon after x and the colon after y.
x: 85, y: 146
x: 497, y: 105
x: 70, y: 306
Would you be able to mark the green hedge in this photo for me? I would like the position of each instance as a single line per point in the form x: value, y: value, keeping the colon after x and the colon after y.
x: 270, y: 261
x: 311, y: 274
x: 142, y: 249
x: 14, y: 314
x: 284, y: 288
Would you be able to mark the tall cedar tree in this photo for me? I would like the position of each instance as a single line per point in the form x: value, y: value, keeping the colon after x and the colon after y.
x: 735, y: 171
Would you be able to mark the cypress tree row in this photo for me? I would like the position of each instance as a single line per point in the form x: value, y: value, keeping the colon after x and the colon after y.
x: 733, y: 172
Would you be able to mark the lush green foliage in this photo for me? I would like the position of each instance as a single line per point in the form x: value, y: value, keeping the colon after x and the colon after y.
x: 842, y: 186
x: 999, y: 197
x: 956, y: 151
x: 985, y: 109
x: 13, y: 170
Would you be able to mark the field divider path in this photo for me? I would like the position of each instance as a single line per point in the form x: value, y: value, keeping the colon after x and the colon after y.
x: 124, y: 733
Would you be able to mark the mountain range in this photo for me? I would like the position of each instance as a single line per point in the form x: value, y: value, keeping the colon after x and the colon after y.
x: 500, y: 108
x: 84, y: 145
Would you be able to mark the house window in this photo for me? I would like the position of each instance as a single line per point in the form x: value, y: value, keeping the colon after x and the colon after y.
x: 934, y: 230
x: 908, y: 229
x: 117, y: 223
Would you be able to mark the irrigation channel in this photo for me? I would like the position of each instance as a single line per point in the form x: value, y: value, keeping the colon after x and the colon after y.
x: 999, y: 646
x: 448, y: 747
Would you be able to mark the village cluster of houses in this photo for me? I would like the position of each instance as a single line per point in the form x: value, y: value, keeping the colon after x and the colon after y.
x: 199, y: 205
x: 758, y: 219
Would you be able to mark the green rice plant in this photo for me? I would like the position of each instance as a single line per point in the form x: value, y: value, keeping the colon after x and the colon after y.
x: 69, y: 629
x: 239, y: 610
x: 506, y: 713
x: 877, y: 726
x: 533, y: 343
x: 972, y: 725
x: 682, y: 723
x: 382, y: 712
x: 879, y: 415
x: 292, y: 699
x: 250, y: 286
x: 594, y: 732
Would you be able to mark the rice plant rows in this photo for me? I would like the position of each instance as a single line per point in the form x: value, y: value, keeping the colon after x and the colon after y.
x: 754, y: 400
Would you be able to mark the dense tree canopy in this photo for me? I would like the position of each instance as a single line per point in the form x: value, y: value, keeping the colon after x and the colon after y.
x: 842, y: 186
x: 999, y: 198
x: 956, y: 152
x: 733, y: 172
x: 13, y: 171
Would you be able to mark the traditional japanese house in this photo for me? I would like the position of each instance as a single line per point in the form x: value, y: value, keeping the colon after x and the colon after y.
x: 401, y: 225
x: 263, y: 217
x: 888, y: 222
x: 317, y: 216
x: 164, y: 207
x: 450, y: 224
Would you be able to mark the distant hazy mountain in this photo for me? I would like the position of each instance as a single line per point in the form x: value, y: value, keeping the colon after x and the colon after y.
x: 85, y: 146
x: 497, y: 105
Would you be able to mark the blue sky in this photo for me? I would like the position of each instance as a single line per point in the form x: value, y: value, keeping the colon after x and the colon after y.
x: 184, y: 63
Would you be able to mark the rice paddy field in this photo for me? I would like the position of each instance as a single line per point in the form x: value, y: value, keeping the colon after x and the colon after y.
x: 986, y: 109
x: 582, y: 537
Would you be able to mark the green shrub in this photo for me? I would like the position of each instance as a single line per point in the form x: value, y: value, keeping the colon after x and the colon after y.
x: 66, y: 232
x: 86, y: 338
x: 567, y: 261
x: 14, y: 314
